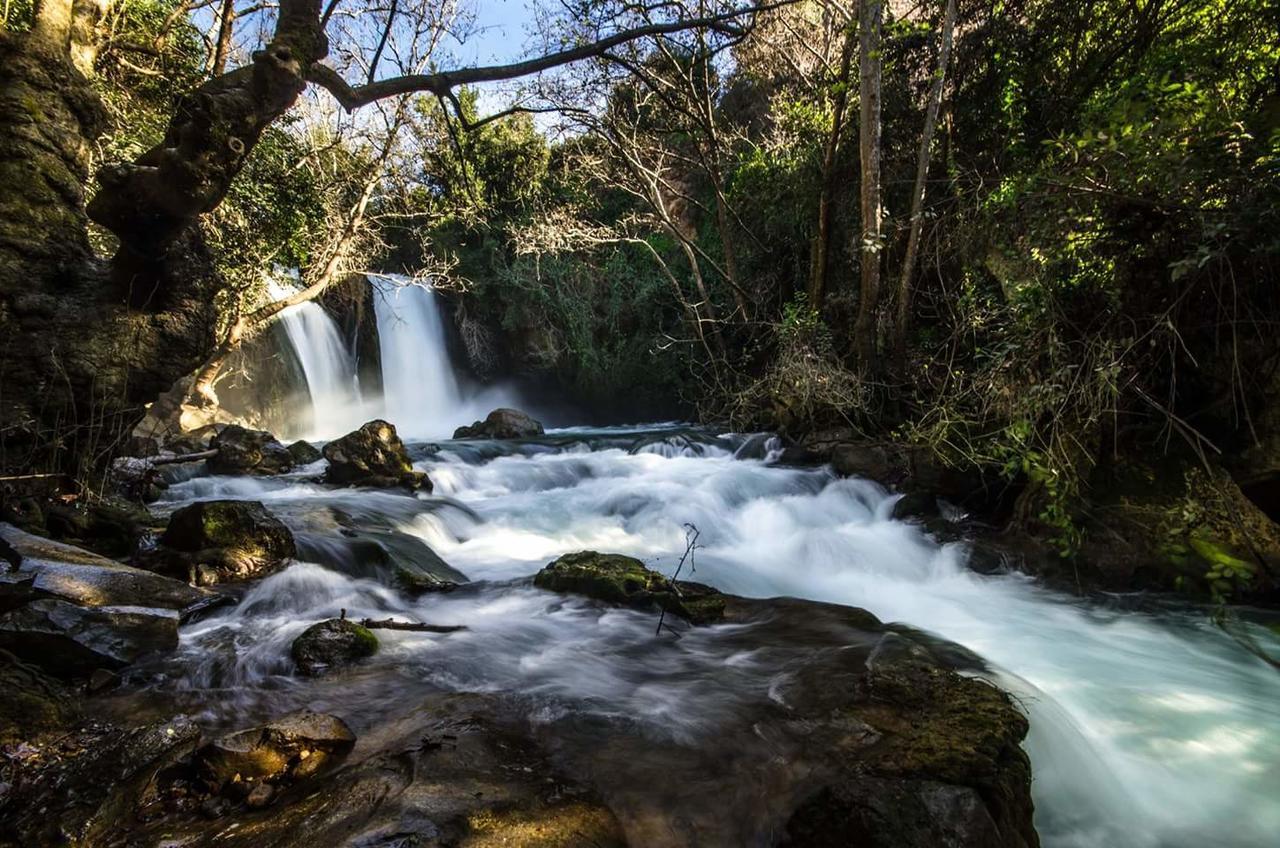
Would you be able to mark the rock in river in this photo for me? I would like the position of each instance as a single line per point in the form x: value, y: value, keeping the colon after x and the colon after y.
x: 244, y: 451
x: 290, y: 748
x: 372, y: 456
x: 74, y: 640
x: 304, y: 453
x: 71, y: 611
x: 625, y: 580
x: 217, y: 541
x: 332, y: 644
x: 503, y: 423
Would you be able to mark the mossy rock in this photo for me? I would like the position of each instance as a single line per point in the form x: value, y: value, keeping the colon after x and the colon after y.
x: 332, y: 644
x: 214, y: 541
x: 624, y: 580
x: 1173, y: 525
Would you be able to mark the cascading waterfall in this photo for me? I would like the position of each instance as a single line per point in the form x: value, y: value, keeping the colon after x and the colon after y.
x: 422, y: 394
x: 328, y: 366
x: 420, y: 389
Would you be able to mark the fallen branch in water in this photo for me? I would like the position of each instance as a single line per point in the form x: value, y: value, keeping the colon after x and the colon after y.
x: 392, y: 624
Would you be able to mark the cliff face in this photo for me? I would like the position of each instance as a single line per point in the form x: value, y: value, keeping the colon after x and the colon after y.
x: 77, y: 361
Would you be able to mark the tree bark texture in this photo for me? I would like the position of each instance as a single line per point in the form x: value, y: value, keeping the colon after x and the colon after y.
x: 869, y: 74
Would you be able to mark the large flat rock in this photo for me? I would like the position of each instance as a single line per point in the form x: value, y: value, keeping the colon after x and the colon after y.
x: 86, y: 579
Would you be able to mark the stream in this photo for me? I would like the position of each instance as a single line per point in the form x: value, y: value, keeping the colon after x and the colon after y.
x: 1149, y: 725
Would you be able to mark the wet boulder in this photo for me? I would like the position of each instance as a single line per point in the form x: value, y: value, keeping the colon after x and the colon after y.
x: 372, y: 456
x: 64, y: 572
x: 503, y: 423
x: 244, y: 451
x: 73, y: 640
x: 624, y: 580
x: 217, y: 541
x: 940, y: 762
x: 304, y: 453
x: 332, y: 644
x: 291, y: 748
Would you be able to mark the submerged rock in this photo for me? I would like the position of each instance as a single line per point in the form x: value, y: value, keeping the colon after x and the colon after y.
x: 372, y: 456
x: 503, y: 423
x: 293, y: 747
x: 304, y: 453
x: 215, y: 541
x: 332, y: 644
x: 244, y: 451
x: 625, y: 580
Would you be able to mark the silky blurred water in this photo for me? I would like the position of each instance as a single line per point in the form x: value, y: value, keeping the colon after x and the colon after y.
x: 1150, y: 726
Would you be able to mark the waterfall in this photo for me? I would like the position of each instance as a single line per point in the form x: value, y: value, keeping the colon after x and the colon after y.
x: 422, y: 393
x: 328, y: 366
x: 420, y: 388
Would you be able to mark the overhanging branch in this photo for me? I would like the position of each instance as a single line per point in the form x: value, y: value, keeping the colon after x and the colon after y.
x: 440, y: 83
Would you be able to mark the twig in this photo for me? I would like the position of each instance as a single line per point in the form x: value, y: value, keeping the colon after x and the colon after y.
x: 392, y: 624
x: 691, y: 534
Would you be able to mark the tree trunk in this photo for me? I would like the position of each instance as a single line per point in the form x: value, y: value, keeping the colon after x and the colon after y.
x: 869, y: 72
x: 76, y: 366
x: 222, y: 49
x: 902, y: 325
x: 820, y: 257
x: 148, y: 203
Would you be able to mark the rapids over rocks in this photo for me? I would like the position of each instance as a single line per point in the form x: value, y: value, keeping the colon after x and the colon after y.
x: 1148, y: 725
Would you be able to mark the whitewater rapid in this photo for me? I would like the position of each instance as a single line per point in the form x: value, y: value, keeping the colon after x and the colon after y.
x: 1150, y: 727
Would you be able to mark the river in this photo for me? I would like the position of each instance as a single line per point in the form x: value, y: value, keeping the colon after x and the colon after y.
x: 1150, y: 726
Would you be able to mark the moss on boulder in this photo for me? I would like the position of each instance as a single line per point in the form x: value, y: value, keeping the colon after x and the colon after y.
x: 625, y: 581
x: 332, y: 644
x: 216, y: 541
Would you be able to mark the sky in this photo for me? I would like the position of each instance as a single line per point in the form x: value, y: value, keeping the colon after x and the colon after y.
x: 501, y: 32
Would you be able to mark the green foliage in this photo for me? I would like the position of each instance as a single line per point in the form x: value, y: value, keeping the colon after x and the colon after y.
x: 16, y: 15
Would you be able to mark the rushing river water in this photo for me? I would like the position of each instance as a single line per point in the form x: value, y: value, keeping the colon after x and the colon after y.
x: 1149, y: 726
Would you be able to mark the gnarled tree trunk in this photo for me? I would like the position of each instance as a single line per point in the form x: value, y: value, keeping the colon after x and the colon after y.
x: 75, y: 364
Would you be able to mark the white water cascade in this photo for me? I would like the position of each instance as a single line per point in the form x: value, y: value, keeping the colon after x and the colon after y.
x: 422, y: 394
x: 1150, y: 726
x: 328, y: 366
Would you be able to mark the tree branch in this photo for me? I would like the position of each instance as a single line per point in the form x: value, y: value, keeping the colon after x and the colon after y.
x: 352, y: 98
